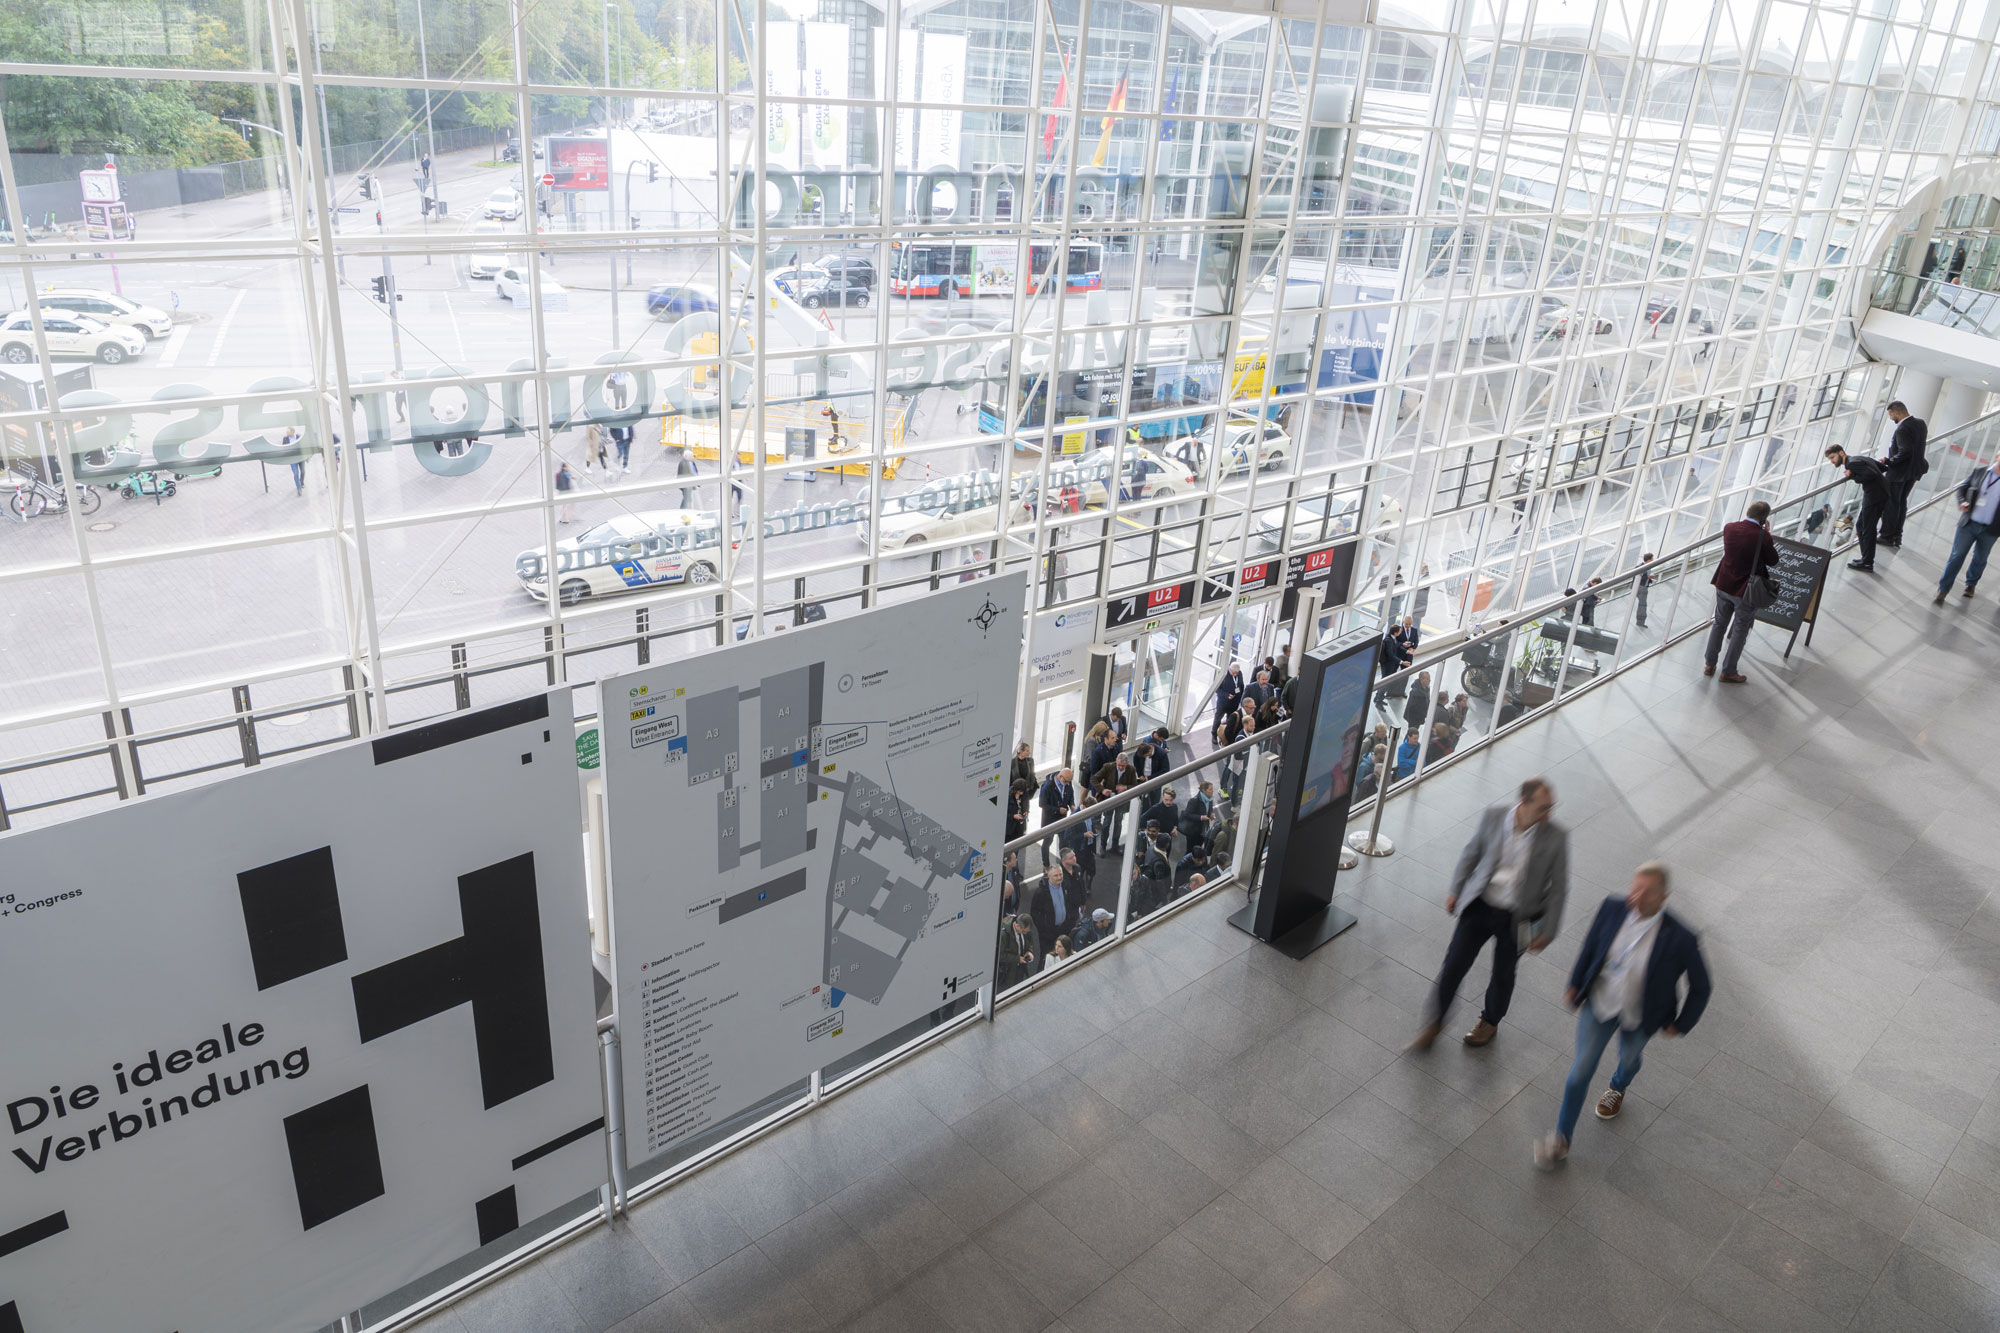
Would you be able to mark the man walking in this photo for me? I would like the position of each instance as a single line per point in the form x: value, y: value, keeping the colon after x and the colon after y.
x: 1054, y: 907
x: 1873, y: 480
x: 1746, y: 548
x: 1515, y: 874
x: 1904, y: 466
x: 1645, y: 586
x: 1978, y: 525
x: 1626, y: 981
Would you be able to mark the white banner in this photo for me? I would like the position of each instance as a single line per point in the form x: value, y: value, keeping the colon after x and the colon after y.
x: 1060, y: 648
x: 781, y: 79
x: 279, y: 1045
x: 805, y: 836
x: 944, y: 81
x: 906, y: 92
x: 827, y: 60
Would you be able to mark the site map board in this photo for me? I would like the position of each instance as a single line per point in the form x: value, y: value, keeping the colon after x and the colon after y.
x: 286, y: 1042
x: 805, y: 833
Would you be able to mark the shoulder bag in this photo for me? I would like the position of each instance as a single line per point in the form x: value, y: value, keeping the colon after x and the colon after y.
x: 1760, y: 589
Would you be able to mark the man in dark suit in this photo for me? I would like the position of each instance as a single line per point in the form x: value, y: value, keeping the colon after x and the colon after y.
x: 1054, y: 908
x: 1398, y: 650
x: 1020, y: 953
x: 1197, y: 813
x: 1978, y: 525
x: 1058, y: 798
x: 1746, y: 548
x: 1228, y: 693
x: 1514, y: 875
x: 1904, y: 465
x: 1416, y: 711
x: 1873, y: 479
x: 1626, y: 981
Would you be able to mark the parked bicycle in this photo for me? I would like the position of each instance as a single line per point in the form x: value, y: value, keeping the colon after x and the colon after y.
x: 34, y: 497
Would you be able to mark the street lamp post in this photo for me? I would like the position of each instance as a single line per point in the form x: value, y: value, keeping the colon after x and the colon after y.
x: 430, y: 134
x: 284, y: 181
x: 611, y: 213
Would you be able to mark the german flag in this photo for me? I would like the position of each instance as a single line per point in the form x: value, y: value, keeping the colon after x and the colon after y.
x: 1116, y: 105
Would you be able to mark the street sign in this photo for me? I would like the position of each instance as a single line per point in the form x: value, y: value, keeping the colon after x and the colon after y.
x: 548, y: 179
x: 350, y: 208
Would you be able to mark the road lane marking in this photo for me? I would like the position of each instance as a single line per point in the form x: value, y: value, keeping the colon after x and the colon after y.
x: 222, y: 329
x: 170, y: 355
x: 456, y: 336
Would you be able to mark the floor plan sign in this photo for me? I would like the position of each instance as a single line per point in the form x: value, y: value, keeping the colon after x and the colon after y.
x: 805, y: 836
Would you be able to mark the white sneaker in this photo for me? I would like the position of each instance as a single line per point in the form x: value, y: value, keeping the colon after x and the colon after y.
x: 1550, y: 1150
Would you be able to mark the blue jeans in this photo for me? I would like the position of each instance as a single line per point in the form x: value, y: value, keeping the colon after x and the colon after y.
x: 1975, y: 538
x: 1592, y: 1036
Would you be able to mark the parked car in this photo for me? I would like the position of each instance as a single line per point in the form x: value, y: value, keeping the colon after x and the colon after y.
x: 511, y: 283
x: 487, y: 263
x: 69, y: 335
x: 826, y: 288
x: 854, y: 265
x: 1240, y: 434
x: 628, y: 553
x: 907, y: 528
x: 109, y: 308
x: 504, y: 203
x: 673, y: 300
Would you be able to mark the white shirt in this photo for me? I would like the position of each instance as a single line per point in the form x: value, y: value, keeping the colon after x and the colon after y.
x: 1499, y: 890
x: 1620, y: 989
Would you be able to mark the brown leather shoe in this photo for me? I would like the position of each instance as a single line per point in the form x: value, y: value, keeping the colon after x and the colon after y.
x: 1608, y: 1104
x: 1708, y: 671
x: 1732, y: 678
x: 1425, y: 1036
x: 1482, y: 1033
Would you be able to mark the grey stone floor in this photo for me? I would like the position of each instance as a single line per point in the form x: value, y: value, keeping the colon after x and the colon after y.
x: 1197, y: 1133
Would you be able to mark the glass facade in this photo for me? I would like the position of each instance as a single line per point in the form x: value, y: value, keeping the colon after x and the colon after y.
x: 374, y: 358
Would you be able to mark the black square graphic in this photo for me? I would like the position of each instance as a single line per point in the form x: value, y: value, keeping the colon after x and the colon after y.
x: 336, y: 1165
x: 291, y: 912
x: 498, y: 1215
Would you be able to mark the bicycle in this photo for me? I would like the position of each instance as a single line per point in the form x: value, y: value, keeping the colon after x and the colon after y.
x: 34, y: 497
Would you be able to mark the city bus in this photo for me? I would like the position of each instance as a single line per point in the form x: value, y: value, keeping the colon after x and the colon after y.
x: 948, y: 268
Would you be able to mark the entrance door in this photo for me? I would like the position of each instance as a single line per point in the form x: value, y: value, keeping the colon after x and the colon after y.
x: 1145, y: 674
x: 1253, y: 640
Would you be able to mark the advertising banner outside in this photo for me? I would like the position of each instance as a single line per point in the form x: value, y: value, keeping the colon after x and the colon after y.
x: 315, y: 1031
x: 944, y: 81
x: 805, y: 836
x: 827, y: 59
x: 781, y: 80
x: 580, y: 164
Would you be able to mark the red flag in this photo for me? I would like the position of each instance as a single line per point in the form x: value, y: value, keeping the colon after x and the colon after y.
x: 1062, y: 97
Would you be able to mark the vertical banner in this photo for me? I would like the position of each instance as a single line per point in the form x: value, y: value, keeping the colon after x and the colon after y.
x: 944, y: 81
x: 805, y: 836
x: 280, y: 1045
x: 906, y: 92
x: 782, y: 150
x: 827, y: 60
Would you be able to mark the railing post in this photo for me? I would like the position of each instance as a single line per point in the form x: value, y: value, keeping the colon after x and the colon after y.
x: 246, y: 725
x: 461, y: 684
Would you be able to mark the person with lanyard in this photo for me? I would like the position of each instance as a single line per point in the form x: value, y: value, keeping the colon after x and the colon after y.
x: 1626, y: 981
x: 1514, y: 875
x: 1978, y: 525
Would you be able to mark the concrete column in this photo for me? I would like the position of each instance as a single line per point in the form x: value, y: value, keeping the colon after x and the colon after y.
x: 1918, y: 391
x: 1956, y: 405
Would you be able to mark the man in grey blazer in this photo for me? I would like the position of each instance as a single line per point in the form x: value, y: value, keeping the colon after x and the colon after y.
x: 1513, y: 875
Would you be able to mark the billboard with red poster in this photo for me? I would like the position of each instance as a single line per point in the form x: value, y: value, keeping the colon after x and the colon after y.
x: 580, y: 164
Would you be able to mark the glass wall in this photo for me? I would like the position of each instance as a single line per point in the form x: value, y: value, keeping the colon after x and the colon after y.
x: 366, y: 360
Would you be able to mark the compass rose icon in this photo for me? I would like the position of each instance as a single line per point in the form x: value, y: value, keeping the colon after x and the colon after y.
x: 987, y: 615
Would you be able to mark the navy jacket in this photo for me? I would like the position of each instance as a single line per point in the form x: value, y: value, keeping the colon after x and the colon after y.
x: 1676, y: 954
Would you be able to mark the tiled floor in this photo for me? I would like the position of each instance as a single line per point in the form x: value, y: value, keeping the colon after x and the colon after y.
x: 1197, y: 1133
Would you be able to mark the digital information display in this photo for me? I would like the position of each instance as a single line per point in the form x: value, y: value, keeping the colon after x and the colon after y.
x: 1337, y: 724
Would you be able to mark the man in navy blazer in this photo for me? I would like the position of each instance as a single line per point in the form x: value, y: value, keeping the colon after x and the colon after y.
x: 1626, y: 981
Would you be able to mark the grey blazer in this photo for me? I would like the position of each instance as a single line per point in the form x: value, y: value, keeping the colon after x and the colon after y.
x: 1538, y: 898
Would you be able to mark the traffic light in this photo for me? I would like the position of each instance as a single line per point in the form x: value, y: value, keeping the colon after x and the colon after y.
x: 427, y: 203
x: 367, y: 186
x: 652, y: 172
x: 383, y: 289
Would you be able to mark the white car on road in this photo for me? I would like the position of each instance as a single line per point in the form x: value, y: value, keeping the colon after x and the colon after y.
x: 70, y: 335
x: 109, y: 308
x: 907, y: 525
x: 1241, y: 435
x: 504, y: 203
x: 628, y: 553
x: 486, y: 263
x: 512, y: 283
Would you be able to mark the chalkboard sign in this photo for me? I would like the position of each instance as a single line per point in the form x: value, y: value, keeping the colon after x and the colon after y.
x: 1800, y: 575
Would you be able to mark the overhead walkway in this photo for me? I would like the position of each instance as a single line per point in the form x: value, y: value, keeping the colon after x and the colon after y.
x: 1195, y: 1132
x: 1940, y: 325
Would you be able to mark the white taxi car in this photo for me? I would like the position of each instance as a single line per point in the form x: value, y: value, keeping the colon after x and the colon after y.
x: 504, y: 202
x: 511, y: 283
x: 1241, y: 435
x: 70, y: 335
x: 488, y: 263
x: 628, y: 553
x: 907, y: 525
x: 109, y: 308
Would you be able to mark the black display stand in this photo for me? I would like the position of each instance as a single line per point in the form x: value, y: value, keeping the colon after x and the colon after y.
x: 1293, y: 911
